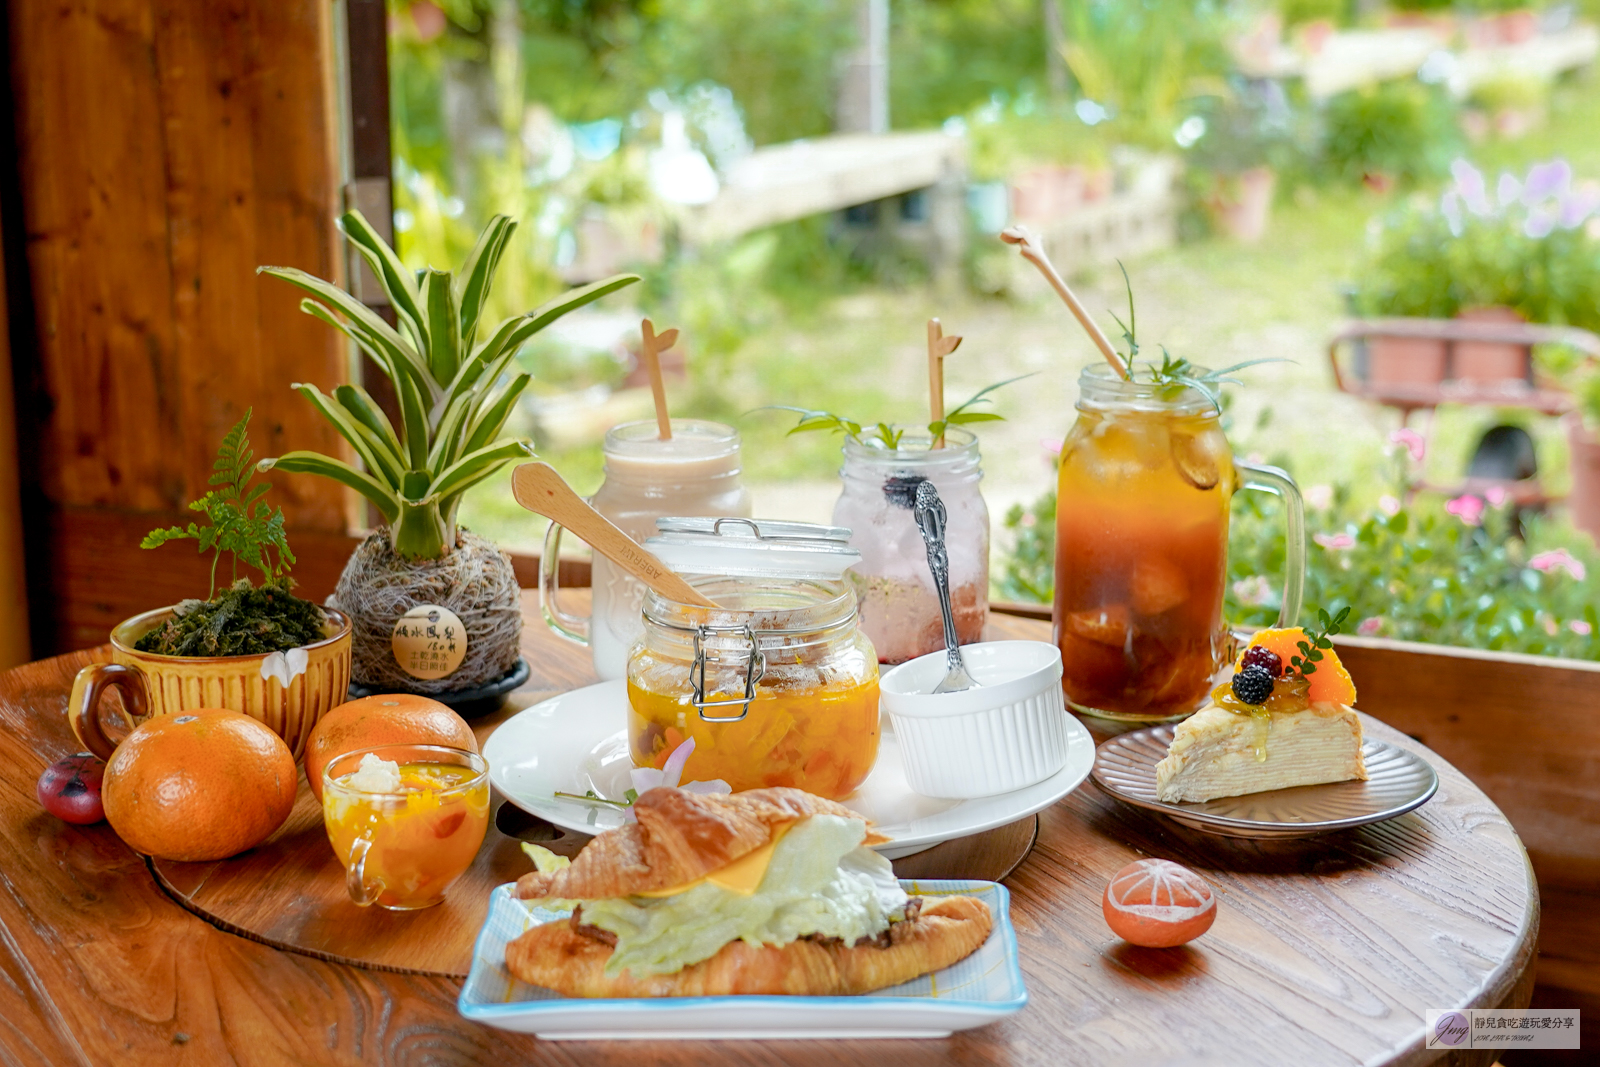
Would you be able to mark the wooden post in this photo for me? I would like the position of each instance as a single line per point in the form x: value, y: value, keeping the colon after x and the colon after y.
x: 864, y: 85
x: 164, y: 150
x: 14, y: 643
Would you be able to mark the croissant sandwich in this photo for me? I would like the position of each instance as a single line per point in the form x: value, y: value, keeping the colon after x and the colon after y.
x: 770, y: 891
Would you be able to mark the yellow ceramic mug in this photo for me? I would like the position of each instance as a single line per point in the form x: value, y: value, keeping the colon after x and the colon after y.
x: 287, y: 691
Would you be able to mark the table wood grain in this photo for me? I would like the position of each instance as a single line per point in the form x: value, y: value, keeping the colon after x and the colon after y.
x: 1325, y: 951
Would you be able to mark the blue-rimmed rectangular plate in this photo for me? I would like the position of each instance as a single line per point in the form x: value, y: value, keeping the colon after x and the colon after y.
x: 985, y: 986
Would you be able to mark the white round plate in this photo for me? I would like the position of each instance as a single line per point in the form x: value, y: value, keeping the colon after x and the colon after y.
x: 1397, y: 781
x: 578, y: 741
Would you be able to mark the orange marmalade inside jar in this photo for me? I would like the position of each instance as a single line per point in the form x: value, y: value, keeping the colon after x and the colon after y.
x: 795, y: 649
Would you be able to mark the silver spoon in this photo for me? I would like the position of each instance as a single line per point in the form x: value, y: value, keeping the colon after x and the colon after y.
x: 930, y: 515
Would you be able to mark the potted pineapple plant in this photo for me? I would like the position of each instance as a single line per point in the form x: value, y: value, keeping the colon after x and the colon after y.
x: 410, y: 585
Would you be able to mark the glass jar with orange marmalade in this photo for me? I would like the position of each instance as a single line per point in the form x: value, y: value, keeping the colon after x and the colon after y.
x: 777, y: 685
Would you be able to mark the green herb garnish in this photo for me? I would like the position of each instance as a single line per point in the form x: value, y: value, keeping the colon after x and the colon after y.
x: 883, y: 435
x: 1176, y: 374
x: 591, y: 797
x: 1311, y: 651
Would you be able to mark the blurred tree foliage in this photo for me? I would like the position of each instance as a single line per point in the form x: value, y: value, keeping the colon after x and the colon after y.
x: 1145, y: 59
x: 593, y: 59
x: 947, y: 56
x: 780, y: 57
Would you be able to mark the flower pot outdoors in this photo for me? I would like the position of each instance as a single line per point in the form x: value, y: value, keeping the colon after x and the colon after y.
x: 1044, y: 194
x: 286, y: 691
x: 1242, y: 206
x: 1583, y: 446
x: 1491, y: 361
x: 1405, y: 361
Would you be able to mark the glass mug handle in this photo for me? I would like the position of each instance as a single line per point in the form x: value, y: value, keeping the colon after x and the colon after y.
x: 355, y: 876
x: 572, y: 627
x: 1277, y: 481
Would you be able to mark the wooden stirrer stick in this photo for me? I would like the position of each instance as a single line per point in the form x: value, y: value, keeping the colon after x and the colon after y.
x: 939, y: 346
x: 650, y: 352
x: 1031, y: 252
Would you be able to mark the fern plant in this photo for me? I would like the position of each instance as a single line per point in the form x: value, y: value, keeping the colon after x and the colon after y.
x: 453, y: 390
x: 239, y: 523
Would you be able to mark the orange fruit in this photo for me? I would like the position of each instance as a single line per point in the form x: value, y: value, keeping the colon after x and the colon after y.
x: 1330, y: 682
x: 1158, y: 904
x: 204, y: 785
x: 386, y: 719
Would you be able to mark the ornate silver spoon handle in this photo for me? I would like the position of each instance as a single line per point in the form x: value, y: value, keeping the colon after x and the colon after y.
x: 931, y: 516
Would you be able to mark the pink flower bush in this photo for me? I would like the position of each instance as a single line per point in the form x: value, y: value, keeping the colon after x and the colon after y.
x: 1389, y: 505
x: 1335, y: 542
x: 1559, y: 559
x: 1254, y: 590
x: 1468, y: 508
x: 1370, y: 627
x: 1413, y: 441
x: 1580, y: 627
x: 1319, y: 496
x: 1497, y: 496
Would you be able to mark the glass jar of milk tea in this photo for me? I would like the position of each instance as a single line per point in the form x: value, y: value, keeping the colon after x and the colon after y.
x: 694, y: 473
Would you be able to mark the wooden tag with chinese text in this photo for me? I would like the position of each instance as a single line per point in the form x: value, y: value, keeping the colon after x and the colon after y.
x: 429, y: 641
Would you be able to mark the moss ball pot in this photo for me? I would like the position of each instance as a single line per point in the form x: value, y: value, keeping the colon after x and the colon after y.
x: 475, y: 581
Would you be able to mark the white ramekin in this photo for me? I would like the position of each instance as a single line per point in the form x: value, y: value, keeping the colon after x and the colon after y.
x: 1008, y: 733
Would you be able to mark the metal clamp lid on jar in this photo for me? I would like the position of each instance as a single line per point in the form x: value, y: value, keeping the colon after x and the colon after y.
x: 747, y: 548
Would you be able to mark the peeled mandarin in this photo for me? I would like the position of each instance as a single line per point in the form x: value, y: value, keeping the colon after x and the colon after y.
x: 1158, y: 904
x: 1330, y: 682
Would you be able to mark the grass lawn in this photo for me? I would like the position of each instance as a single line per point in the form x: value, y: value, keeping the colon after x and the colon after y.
x: 861, y: 354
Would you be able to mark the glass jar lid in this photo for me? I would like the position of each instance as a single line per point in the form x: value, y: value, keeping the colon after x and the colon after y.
x: 753, y: 548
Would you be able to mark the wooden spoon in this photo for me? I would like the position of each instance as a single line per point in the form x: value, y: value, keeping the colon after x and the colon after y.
x: 541, y: 490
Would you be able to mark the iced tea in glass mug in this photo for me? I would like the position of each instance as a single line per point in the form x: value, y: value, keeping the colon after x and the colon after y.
x: 1145, y: 481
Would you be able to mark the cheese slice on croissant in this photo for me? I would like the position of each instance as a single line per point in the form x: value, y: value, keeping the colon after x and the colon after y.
x: 768, y: 891
x: 679, y: 837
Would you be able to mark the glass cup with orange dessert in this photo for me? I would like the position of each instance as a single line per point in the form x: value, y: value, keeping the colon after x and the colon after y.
x: 405, y: 820
x: 1145, y: 481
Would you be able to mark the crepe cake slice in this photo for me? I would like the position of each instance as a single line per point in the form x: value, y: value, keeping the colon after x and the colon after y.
x: 1302, y: 730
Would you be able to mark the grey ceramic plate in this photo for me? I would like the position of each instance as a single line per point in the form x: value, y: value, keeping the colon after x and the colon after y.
x: 1397, y: 782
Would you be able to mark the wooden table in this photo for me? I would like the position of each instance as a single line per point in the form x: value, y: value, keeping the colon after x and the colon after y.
x: 1324, y: 952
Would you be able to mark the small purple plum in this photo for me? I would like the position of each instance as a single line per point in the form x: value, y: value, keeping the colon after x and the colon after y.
x: 69, y: 788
